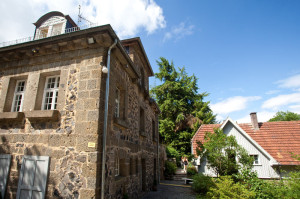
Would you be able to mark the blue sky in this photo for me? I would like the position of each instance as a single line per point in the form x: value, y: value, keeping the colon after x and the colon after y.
x: 245, y: 53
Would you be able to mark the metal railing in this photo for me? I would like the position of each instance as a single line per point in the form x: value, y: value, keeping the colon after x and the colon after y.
x: 43, y: 35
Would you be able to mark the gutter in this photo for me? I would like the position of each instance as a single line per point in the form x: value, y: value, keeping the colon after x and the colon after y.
x: 105, y: 118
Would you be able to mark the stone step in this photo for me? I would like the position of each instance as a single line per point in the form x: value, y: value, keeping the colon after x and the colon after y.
x: 178, y: 177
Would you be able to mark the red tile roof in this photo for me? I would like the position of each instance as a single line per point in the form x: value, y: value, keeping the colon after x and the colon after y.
x: 279, y: 139
x: 199, y: 135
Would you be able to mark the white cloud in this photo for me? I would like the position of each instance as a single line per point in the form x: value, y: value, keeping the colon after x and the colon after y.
x: 280, y: 101
x: 232, y: 104
x: 291, y: 82
x: 262, y: 116
x: 271, y: 92
x: 295, y: 108
x: 127, y: 17
x: 179, y: 31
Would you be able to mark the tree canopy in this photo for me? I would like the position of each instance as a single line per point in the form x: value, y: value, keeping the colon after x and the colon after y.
x: 285, y: 116
x: 224, y: 154
x: 182, y: 107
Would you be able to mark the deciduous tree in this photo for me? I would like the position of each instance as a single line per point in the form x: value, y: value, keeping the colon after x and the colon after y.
x: 285, y: 116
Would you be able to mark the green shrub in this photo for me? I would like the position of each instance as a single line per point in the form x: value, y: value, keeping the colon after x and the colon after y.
x: 172, y: 152
x: 170, y: 168
x: 226, y: 188
x: 191, y: 170
x: 294, y: 185
x: 202, y: 183
x: 263, y: 189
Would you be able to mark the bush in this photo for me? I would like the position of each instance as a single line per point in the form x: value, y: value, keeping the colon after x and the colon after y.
x: 173, y: 153
x: 202, y: 183
x: 226, y: 188
x: 170, y: 168
x: 287, y: 188
x: 191, y: 170
x: 294, y: 184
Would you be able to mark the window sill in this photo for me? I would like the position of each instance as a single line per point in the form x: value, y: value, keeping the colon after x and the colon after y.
x: 143, y: 133
x: 119, y: 179
x: 121, y: 123
x: 15, y: 116
x: 257, y: 164
x: 45, y: 114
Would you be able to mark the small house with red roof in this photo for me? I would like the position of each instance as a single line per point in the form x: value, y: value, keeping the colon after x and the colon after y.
x: 272, y: 144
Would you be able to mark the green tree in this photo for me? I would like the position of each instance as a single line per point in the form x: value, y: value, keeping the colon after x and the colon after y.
x: 182, y: 107
x: 285, y: 116
x: 224, y: 154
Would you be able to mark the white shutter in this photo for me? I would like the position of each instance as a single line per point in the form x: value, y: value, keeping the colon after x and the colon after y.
x: 4, y: 170
x: 33, y: 177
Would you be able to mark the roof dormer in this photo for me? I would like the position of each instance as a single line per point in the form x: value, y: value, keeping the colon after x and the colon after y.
x: 53, y: 23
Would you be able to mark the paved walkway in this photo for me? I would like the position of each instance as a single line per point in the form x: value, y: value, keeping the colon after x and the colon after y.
x: 170, y: 189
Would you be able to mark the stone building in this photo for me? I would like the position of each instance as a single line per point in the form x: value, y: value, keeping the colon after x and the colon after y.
x: 52, y: 114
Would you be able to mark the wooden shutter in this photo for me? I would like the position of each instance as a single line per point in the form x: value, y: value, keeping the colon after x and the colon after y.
x: 33, y: 177
x: 4, y: 170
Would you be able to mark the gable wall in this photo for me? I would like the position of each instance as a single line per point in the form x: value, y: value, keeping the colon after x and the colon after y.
x: 264, y: 170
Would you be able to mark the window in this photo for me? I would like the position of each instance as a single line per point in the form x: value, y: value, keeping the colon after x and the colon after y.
x: 43, y: 32
x: 137, y: 166
x: 50, y: 93
x: 56, y: 29
x: 153, y: 130
x: 117, y: 166
x: 255, y: 159
x: 117, y: 103
x: 142, y: 120
x: 127, y: 49
x: 18, y: 96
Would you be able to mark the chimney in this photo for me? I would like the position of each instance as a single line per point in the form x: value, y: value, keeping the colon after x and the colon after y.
x: 254, y: 121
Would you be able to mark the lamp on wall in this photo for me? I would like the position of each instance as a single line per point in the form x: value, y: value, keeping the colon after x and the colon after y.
x: 104, y: 69
x: 34, y: 50
x: 91, y: 40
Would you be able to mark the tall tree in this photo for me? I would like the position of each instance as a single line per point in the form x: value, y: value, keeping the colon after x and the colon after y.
x: 182, y: 107
x: 285, y: 116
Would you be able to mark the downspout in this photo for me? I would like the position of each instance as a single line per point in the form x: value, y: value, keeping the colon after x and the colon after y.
x: 158, y: 152
x: 105, y: 118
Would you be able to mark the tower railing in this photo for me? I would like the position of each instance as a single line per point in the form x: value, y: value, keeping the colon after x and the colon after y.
x: 44, y: 35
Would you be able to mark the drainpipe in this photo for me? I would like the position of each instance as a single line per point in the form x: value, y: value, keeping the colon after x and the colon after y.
x: 105, y: 117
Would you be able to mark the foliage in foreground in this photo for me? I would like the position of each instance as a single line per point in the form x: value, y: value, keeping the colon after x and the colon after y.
x: 182, y: 107
x: 285, y: 116
x: 202, y: 183
x: 170, y: 168
x: 225, y: 155
x: 225, y: 187
x: 191, y: 170
x: 246, y: 184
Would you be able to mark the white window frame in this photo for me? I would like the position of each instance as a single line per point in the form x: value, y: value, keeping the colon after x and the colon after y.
x: 256, y: 161
x: 117, y: 101
x: 117, y: 166
x: 53, y: 90
x: 58, y: 31
x: 15, y: 107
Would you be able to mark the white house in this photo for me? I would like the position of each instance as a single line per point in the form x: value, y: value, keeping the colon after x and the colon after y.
x: 272, y: 145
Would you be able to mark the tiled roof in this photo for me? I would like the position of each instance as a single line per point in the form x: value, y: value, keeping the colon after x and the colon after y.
x: 279, y: 139
x: 199, y: 135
